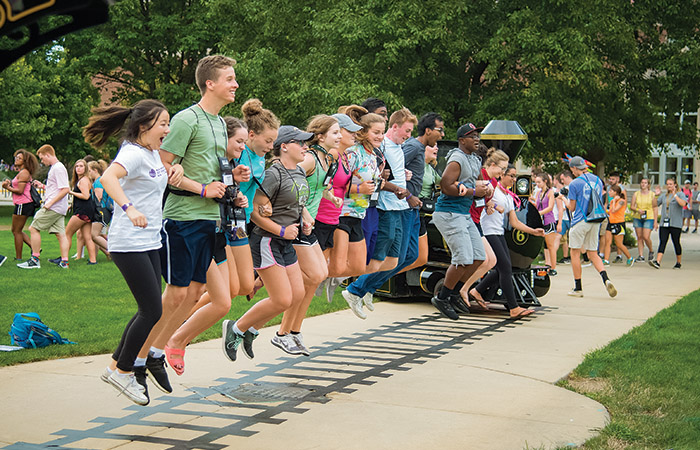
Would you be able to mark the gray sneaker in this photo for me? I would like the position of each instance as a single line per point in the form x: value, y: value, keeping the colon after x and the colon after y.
x: 248, y: 338
x: 128, y: 386
x: 230, y: 340
x: 367, y: 300
x: 612, y: 292
x: 321, y: 289
x: 286, y: 343
x: 355, y: 303
x: 332, y: 285
x: 299, y: 339
x: 31, y: 263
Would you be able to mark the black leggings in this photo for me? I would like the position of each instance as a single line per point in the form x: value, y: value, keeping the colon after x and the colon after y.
x: 675, y: 233
x: 503, y: 273
x: 141, y: 271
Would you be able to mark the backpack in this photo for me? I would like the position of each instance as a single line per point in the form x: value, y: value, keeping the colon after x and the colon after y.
x: 595, y: 212
x: 29, y: 331
x: 34, y: 194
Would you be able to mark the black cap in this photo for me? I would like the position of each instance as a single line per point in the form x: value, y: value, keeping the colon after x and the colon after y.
x: 288, y: 133
x: 466, y: 129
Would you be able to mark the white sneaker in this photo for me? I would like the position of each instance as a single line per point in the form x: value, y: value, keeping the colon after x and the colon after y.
x: 31, y: 263
x: 367, y: 300
x: 299, y: 339
x: 126, y: 384
x: 612, y: 292
x: 105, y: 374
x: 575, y: 293
x: 286, y: 343
x: 355, y: 304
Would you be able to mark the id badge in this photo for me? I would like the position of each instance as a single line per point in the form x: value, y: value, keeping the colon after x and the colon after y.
x: 666, y: 222
x: 375, y: 195
x: 643, y: 215
x: 480, y: 202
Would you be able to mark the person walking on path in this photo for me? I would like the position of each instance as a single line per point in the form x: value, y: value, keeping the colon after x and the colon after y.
x: 672, y: 203
x: 26, y: 164
x: 584, y: 234
x: 646, y: 211
x: 694, y: 201
x: 83, y: 212
x: 616, y: 225
x: 51, y: 217
x: 687, y: 213
x: 136, y: 181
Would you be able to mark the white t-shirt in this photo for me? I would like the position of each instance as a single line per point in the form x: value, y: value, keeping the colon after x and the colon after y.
x: 57, y: 180
x: 492, y: 224
x: 143, y: 185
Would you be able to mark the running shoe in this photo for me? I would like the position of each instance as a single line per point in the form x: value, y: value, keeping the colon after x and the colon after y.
x: 332, y: 285
x: 55, y: 260
x: 677, y: 266
x: 630, y: 262
x: 63, y: 264
x: 156, y: 372
x: 586, y: 264
x: 651, y: 256
x: 3, y: 258
x: 565, y: 260
x: 654, y: 264
x: 299, y: 339
x: 248, y: 338
x: 606, y: 262
x: 31, y: 263
x: 444, y: 307
x: 552, y: 272
x: 105, y: 374
x: 230, y: 340
x: 126, y: 384
x: 694, y: 231
x: 612, y: 292
x: 640, y: 258
x: 140, y: 377
x: 286, y: 343
x: 367, y: 301
x: 321, y: 289
x: 355, y: 303
x: 618, y: 259
x: 575, y: 293
x: 458, y: 304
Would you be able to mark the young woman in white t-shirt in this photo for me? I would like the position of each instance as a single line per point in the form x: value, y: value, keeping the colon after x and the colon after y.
x: 136, y: 181
x: 492, y: 225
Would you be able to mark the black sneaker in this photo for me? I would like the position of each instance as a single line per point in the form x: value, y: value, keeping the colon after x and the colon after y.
x: 157, y: 373
x: 444, y: 307
x: 248, y: 338
x: 140, y: 375
x: 458, y: 304
x: 55, y: 260
x: 654, y: 264
x: 231, y: 340
x: 677, y: 266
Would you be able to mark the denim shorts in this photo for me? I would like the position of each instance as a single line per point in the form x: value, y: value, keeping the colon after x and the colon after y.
x: 643, y: 223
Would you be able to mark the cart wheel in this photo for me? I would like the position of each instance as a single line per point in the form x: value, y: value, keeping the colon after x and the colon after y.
x: 438, y: 286
x: 541, y: 285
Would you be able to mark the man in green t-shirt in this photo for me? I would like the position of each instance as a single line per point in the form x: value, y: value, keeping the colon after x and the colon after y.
x: 196, y: 141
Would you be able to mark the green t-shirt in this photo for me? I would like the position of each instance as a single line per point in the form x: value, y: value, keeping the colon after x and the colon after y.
x: 196, y: 139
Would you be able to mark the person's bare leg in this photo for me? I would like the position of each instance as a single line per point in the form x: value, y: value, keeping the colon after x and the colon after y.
x: 20, y: 237
x: 86, y: 231
x: 314, y: 271
x: 422, y: 254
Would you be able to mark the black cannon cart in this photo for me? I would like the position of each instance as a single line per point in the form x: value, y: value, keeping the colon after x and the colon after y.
x: 530, y: 282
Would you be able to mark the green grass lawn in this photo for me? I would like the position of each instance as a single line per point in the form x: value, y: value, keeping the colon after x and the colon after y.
x: 89, y: 305
x: 649, y: 380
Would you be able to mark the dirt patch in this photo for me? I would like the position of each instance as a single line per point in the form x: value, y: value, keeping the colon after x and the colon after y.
x: 614, y: 443
x: 5, y: 227
x: 590, y: 385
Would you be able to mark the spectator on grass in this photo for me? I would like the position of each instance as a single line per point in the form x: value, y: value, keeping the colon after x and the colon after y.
x: 51, y: 216
x: 21, y: 198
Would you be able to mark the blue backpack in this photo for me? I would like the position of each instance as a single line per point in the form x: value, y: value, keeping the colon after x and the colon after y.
x: 29, y: 331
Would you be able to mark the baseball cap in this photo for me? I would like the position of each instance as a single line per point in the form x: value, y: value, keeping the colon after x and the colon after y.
x: 466, y: 129
x: 578, y: 163
x: 687, y: 182
x: 288, y: 133
x: 346, y: 122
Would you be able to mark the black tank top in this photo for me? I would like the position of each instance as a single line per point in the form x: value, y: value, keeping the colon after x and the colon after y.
x: 84, y: 207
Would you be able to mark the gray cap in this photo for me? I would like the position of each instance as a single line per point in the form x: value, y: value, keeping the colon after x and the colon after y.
x: 288, y: 133
x: 578, y: 163
x: 346, y: 122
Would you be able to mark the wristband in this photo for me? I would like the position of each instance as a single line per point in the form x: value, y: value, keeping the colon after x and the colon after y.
x: 126, y: 205
x: 204, y: 190
x: 358, y: 188
x: 408, y: 196
x: 282, y: 231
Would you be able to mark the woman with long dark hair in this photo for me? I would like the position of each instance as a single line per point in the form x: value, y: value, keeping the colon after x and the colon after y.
x: 26, y: 165
x: 136, y: 181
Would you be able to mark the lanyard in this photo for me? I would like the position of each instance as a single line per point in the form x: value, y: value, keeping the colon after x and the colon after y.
x: 211, y: 126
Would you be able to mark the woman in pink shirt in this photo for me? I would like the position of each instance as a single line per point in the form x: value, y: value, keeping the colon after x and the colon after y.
x: 26, y: 163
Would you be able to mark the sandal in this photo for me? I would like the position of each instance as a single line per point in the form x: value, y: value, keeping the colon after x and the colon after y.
x: 524, y: 313
x: 176, y: 359
x: 483, y: 304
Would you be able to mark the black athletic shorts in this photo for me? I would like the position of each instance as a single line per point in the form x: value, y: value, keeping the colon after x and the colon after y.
x: 324, y: 234
x: 353, y: 227
x: 268, y: 251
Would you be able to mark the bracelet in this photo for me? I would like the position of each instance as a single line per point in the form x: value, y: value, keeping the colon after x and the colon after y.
x: 408, y: 196
x: 125, y: 206
x: 204, y: 190
x: 358, y: 188
x: 282, y: 231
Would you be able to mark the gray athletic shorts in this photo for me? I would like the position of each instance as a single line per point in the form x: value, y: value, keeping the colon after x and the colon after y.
x: 461, y: 236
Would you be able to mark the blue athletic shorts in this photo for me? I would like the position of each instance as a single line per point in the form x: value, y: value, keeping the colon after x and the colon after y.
x: 188, y: 247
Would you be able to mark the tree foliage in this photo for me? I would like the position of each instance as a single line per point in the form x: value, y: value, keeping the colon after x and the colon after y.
x: 608, y: 80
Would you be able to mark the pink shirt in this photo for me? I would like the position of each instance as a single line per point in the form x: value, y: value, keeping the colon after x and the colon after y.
x: 24, y: 197
x: 57, y: 180
x: 327, y: 212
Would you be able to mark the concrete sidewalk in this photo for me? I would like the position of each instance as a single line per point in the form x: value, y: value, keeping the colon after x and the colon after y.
x: 404, y: 378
